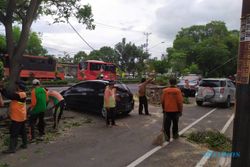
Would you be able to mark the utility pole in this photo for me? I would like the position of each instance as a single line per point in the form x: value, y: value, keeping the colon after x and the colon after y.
x: 241, y: 130
x: 146, y: 45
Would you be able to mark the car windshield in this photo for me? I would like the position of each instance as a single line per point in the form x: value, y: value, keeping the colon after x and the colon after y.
x: 213, y: 83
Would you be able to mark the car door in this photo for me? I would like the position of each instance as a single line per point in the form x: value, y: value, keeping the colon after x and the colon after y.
x: 80, y: 96
x: 99, y: 88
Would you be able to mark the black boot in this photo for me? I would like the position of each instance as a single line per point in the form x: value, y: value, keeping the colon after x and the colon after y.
x: 12, y: 146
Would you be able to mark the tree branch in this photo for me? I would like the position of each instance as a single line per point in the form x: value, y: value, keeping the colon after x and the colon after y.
x: 10, y: 10
x: 26, y: 24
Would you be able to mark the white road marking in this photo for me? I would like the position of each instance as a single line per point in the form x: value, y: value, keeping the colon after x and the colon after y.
x: 205, y: 158
x: 151, y: 152
x: 227, y: 124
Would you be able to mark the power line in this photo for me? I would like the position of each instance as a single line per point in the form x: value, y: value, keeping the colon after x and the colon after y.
x: 116, y: 27
x: 222, y: 64
x: 80, y: 36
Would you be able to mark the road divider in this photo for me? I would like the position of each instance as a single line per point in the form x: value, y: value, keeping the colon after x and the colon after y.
x: 151, y: 152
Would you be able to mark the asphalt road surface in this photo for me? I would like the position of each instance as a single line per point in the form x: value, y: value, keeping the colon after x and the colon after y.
x: 128, y: 144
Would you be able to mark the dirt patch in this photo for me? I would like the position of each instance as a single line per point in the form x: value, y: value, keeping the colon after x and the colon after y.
x: 69, y: 120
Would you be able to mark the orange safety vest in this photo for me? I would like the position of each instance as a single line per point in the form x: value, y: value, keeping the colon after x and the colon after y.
x: 17, y: 109
x: 109, y: 97
x: 172, y: 100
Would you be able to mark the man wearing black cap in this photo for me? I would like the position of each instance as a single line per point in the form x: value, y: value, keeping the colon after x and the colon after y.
x: 18, y: 116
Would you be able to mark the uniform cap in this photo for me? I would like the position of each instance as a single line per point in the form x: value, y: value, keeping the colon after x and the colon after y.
x: 36, y: 82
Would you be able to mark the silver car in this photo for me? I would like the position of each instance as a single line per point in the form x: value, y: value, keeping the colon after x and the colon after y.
x: 216, y: 90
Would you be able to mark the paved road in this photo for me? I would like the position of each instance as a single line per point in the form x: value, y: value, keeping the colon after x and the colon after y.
x: 93, y: 144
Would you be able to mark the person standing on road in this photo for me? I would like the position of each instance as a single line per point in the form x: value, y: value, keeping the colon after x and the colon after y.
x: 186, y: 90
x: 143, y: 102
x: 39, y: 98
x: 18, y: 116
x: 110, y: 103
x: 172, y: 104
x: 58, y: 102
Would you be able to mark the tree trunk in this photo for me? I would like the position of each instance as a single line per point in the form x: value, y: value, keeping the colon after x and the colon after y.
x: 16, y: 53
x: 14, y: 74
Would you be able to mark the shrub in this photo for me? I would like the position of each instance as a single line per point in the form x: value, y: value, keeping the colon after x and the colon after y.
x: 214, y: 140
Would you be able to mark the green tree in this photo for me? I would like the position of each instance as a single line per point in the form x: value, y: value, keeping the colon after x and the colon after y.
x: 159, y: 66
x: 25, y: 12
x: 2, y: 44
x: 207, y: 47
x: 80, y: 56
x: 66, y: 58
x: 34, y: 45
x: 108, y: 54
x: 95, y: 55
x: 130, y: 57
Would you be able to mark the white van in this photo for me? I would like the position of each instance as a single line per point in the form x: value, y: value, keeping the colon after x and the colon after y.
x: 216, y: 90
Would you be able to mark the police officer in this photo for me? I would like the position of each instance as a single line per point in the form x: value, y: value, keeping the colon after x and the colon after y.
x: 18, y: 116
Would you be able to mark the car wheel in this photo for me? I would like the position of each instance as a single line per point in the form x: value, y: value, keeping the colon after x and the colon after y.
x: 104, y: 112
x: 227, y: 104
x: 199, y: 103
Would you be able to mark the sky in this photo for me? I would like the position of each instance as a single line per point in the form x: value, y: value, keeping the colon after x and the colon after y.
x: 132, y: 19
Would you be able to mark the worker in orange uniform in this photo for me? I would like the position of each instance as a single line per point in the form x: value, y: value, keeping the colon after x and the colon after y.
x: 18, y: 116
x: 110, y: 103
x: 143, y: 101
x: 58, y: 102
x: 172, y: 104
x: 39, y: 98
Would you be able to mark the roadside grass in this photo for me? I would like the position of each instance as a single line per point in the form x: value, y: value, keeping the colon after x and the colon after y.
x: 4, y: 165
x: 186, y: 100
x: 51, y: 134
x: 214, y: 140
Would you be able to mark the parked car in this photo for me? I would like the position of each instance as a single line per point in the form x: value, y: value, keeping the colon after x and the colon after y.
x: 88, y: 96
x: 216, y: 90
x: 193, y: 84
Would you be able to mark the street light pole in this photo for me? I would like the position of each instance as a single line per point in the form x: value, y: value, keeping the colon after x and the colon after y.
x: 147, y: 34
x: 241, y: 130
